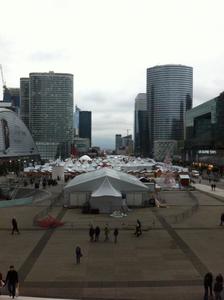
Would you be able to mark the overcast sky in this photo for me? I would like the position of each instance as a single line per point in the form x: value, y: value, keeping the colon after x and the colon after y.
x: 108, y: 45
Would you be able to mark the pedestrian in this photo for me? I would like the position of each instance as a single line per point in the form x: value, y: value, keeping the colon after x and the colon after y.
x: 208, y: 279
x: 222, y: 219
x: 2, y: 283
x: 91, y: 233
x: 15, y: 226
x: 97, y: 233
x: 218, y: 287
x: 78, y: 254
x: 12, y: 281
x: 116, y: 232
x: 212, y: 187
x: 106, y: 233
x: 138, y: 230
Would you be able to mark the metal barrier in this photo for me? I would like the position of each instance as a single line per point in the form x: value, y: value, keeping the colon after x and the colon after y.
x: 173, y: 219
x: 44, y: 212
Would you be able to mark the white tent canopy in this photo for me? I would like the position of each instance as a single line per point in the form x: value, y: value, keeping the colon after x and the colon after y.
x: 106, y: 198
x: 106, y: 187
x: 85, y: 158
x: 92, y: 180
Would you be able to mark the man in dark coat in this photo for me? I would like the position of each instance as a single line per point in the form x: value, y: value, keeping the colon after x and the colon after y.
x: 115, y: 235
x: 78, y: 254
x: 14, y: 226
x: 97, y: 233
x: 208, y: 279
x: 222, y: 219
x: 91, y: 233
x: 12, y: 281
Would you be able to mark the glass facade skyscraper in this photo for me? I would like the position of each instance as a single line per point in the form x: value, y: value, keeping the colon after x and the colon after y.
x: 141, y: 132
x: 169, y: 96
x: 85, y: 125
x: 205, y: 132
x: 24, y: 100
x: 51, y: 113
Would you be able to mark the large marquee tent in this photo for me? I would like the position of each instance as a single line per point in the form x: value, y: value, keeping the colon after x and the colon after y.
x: 103, y: 189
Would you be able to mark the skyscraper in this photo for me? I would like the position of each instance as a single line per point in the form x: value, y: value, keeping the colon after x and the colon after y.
x: 118, y: 142
x: 85, y: 125
x: 51, y: 113
x: 24, y: 100
x: 169, y: 95
x: 12, y: 95
x: 141, y: 132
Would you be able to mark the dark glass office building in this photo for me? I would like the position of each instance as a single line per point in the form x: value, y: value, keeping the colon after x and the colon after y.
x: 51, y: 113
x: 24, y: 100
x: 205, y: 132
x: 85, y: 125
x: 141, y: 132
x: 12, y: 95
x: 169, y: 96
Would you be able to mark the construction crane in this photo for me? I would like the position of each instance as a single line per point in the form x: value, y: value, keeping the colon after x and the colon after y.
x: 128, y: 131
x: 3, y: 80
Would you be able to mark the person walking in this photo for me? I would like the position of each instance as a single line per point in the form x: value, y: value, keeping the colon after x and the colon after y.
x: 222, y: 219
x: 106, y: 233
x: 97, y: 233
x: 2, y: 283
x: 15, y: 226
x: 12, y: 281
x: 218, y: 287
x: 78, y: 254
x: 208, y: 280
x: 138, y: 230
x: 116, y: 232
x: 91, y: 233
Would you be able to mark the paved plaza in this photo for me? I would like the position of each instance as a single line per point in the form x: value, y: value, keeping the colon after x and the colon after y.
x: 179, y: 245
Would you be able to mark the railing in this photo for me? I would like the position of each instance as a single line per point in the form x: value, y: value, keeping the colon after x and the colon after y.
x: 44, y: 212
x: 173, y: 219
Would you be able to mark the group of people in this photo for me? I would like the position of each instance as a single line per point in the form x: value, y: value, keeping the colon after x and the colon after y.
x: 209, y: 287
x: 11, y: 281
x: 94, y: 233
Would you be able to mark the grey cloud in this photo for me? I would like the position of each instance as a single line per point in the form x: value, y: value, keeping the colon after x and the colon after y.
x: 111, y: 102
x: 48, y: 56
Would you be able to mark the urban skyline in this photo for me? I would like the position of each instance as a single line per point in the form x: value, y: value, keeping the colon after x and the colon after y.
x: 109, y: 59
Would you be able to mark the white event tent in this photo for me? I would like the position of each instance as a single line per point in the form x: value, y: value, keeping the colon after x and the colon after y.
x: 103, y: 190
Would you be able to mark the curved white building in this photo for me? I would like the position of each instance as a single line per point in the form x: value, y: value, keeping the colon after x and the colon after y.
x: 15, y: 138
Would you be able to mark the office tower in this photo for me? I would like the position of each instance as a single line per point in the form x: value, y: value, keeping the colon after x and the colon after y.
x: 169, y: 96
x: 204, y: 141
x: 51, y: 113
x: 141, y: 132
x: 85, y: 125
x: 12, y: 96
x: 118, y: 142
x: 76, y: 121
x: 24, y: 100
